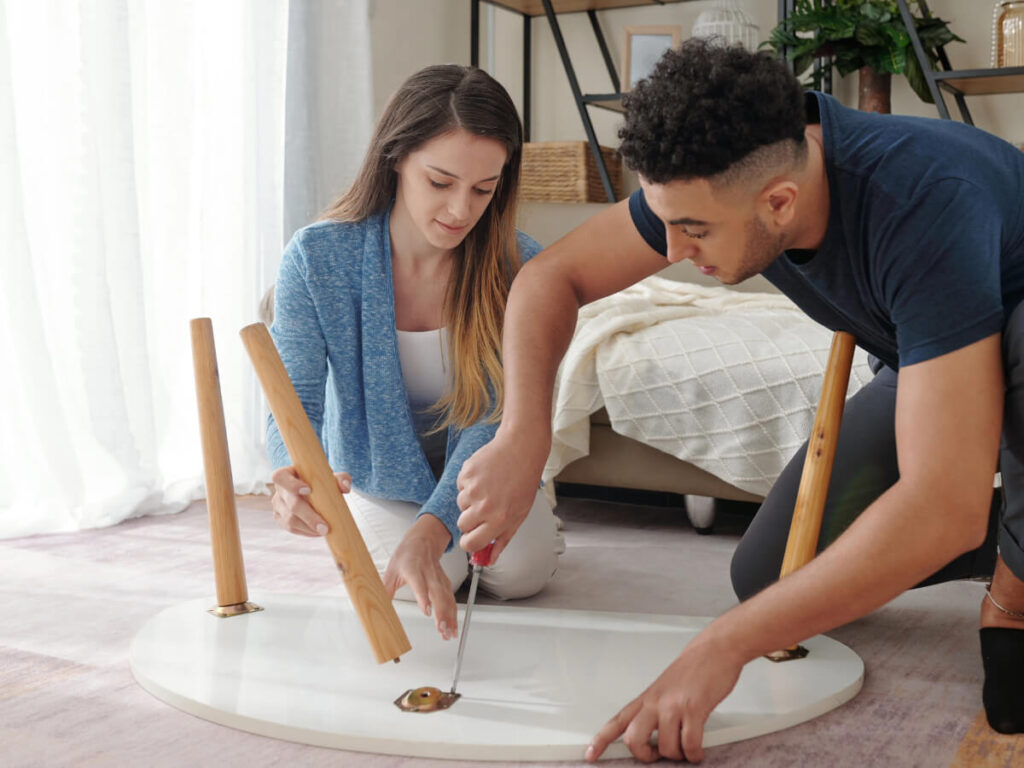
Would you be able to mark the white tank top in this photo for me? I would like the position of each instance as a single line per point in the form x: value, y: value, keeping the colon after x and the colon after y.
x: 423, y: 355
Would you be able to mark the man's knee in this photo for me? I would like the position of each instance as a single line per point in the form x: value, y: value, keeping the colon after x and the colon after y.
x: 749, y: 572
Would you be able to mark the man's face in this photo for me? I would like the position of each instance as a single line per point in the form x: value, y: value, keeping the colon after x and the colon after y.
x: 719, y: 231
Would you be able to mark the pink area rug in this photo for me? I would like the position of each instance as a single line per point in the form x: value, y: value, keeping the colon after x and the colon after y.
x: 71, y: 604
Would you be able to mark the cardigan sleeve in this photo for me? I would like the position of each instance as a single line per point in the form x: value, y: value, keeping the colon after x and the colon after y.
x: 300, y: 342
x: 528, y: 247
x: 442, y: 502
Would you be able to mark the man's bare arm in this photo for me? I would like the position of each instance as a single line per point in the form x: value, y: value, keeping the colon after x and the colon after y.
x: 598, y: 258
x: 948, y: 422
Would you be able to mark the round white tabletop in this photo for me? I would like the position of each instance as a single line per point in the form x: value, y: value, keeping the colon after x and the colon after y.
x: 536, y: 684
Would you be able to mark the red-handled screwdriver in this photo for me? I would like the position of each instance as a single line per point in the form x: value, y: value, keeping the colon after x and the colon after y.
x: 479, y: 560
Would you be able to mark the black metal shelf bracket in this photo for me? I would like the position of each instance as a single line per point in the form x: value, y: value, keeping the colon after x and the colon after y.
x: 563, y: 52
x: 926, y: 67
x: 577, y: 95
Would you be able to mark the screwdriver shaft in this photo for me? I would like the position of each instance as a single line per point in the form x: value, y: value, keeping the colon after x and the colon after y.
x: 474, y: 580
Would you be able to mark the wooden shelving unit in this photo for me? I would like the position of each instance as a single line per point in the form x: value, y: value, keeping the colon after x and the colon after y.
x: 536, y: 7
x: 612, y: 101
x: 551, y: 10
x: 979, y: 82
x: 958, y: 82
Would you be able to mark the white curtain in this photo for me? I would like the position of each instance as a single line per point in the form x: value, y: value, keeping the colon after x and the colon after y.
x: 142, y: 177
x: 329, y: 104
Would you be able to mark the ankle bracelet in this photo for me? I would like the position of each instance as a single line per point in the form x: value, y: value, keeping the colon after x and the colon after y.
x: 1018, y: 615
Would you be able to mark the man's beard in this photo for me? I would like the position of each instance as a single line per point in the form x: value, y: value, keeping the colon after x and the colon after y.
x: 763, y: 248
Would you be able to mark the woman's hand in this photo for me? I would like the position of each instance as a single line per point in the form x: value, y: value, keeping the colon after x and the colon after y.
x: 676, y: 705
x: 291, y: 510
x: 417, y: 562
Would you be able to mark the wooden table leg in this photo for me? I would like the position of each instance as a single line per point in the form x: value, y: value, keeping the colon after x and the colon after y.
x: 805, y: 528
x: 228, y: 566
x: 371, y: 601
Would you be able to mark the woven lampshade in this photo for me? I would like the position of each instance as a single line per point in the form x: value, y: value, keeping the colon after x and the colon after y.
x: 729, y: 22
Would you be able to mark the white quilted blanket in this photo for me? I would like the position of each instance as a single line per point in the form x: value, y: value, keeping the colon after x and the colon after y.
x: 724, y: 380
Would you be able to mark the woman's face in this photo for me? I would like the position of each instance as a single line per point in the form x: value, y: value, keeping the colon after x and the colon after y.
x: 446, y: 185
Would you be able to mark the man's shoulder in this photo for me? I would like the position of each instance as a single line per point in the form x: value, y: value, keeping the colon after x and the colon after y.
x: 909, y: 152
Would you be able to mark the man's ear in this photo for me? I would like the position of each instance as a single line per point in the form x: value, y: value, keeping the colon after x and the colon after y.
x: 777, y: 201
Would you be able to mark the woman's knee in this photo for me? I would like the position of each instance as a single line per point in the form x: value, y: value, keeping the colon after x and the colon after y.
x: 520, y: 577
x: 531, y: 558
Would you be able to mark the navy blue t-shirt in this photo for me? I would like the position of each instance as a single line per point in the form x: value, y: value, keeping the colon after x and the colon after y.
x: 924, y: 250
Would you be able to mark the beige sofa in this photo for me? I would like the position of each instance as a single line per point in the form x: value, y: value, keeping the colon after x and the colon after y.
x: 620, y: 462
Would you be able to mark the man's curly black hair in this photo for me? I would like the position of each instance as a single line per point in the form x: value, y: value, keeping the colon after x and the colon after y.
x: 705, y: 107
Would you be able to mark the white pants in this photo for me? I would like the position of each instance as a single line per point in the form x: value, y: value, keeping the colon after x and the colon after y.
x: 527, y: 564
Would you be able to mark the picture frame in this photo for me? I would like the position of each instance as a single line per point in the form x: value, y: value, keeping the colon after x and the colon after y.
x: 644, y: 46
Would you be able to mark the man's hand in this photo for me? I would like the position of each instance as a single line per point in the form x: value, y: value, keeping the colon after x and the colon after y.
x: 676, y: 705
x: 291, y: 509
x: 417, y: 562
x: 497, y: 487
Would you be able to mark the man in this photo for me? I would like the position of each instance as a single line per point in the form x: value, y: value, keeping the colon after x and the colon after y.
x: 906, y: 232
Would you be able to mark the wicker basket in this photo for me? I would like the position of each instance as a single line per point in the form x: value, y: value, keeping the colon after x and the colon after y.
x: 565, y: 172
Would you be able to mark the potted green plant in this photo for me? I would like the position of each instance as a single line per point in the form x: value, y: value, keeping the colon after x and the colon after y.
x: 860, y: 35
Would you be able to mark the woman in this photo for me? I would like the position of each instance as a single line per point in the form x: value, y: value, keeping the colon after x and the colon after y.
x: 388, y: 315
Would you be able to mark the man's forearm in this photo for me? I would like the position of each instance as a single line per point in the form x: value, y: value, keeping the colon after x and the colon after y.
x: 892, y: 546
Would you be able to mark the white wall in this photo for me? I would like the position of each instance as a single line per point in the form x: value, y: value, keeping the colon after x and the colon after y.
x: 409, y: 34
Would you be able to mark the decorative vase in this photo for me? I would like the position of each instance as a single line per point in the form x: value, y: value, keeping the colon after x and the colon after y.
x: 1008, y: 34
x: 730, y: 23
x: 874, y: 92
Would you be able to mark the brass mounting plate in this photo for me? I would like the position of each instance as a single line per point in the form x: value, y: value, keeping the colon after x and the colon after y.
x: 236, y: 609
x: 787, y: 654
x: 426, y: 699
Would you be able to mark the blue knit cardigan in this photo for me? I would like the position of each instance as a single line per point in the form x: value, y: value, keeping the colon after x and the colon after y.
x: 334, y: 326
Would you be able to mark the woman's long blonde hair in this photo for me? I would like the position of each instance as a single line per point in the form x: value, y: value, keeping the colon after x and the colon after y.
x: 433, y: 102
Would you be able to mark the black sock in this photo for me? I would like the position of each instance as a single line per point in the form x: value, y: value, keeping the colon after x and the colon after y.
x: 1002, y: 654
